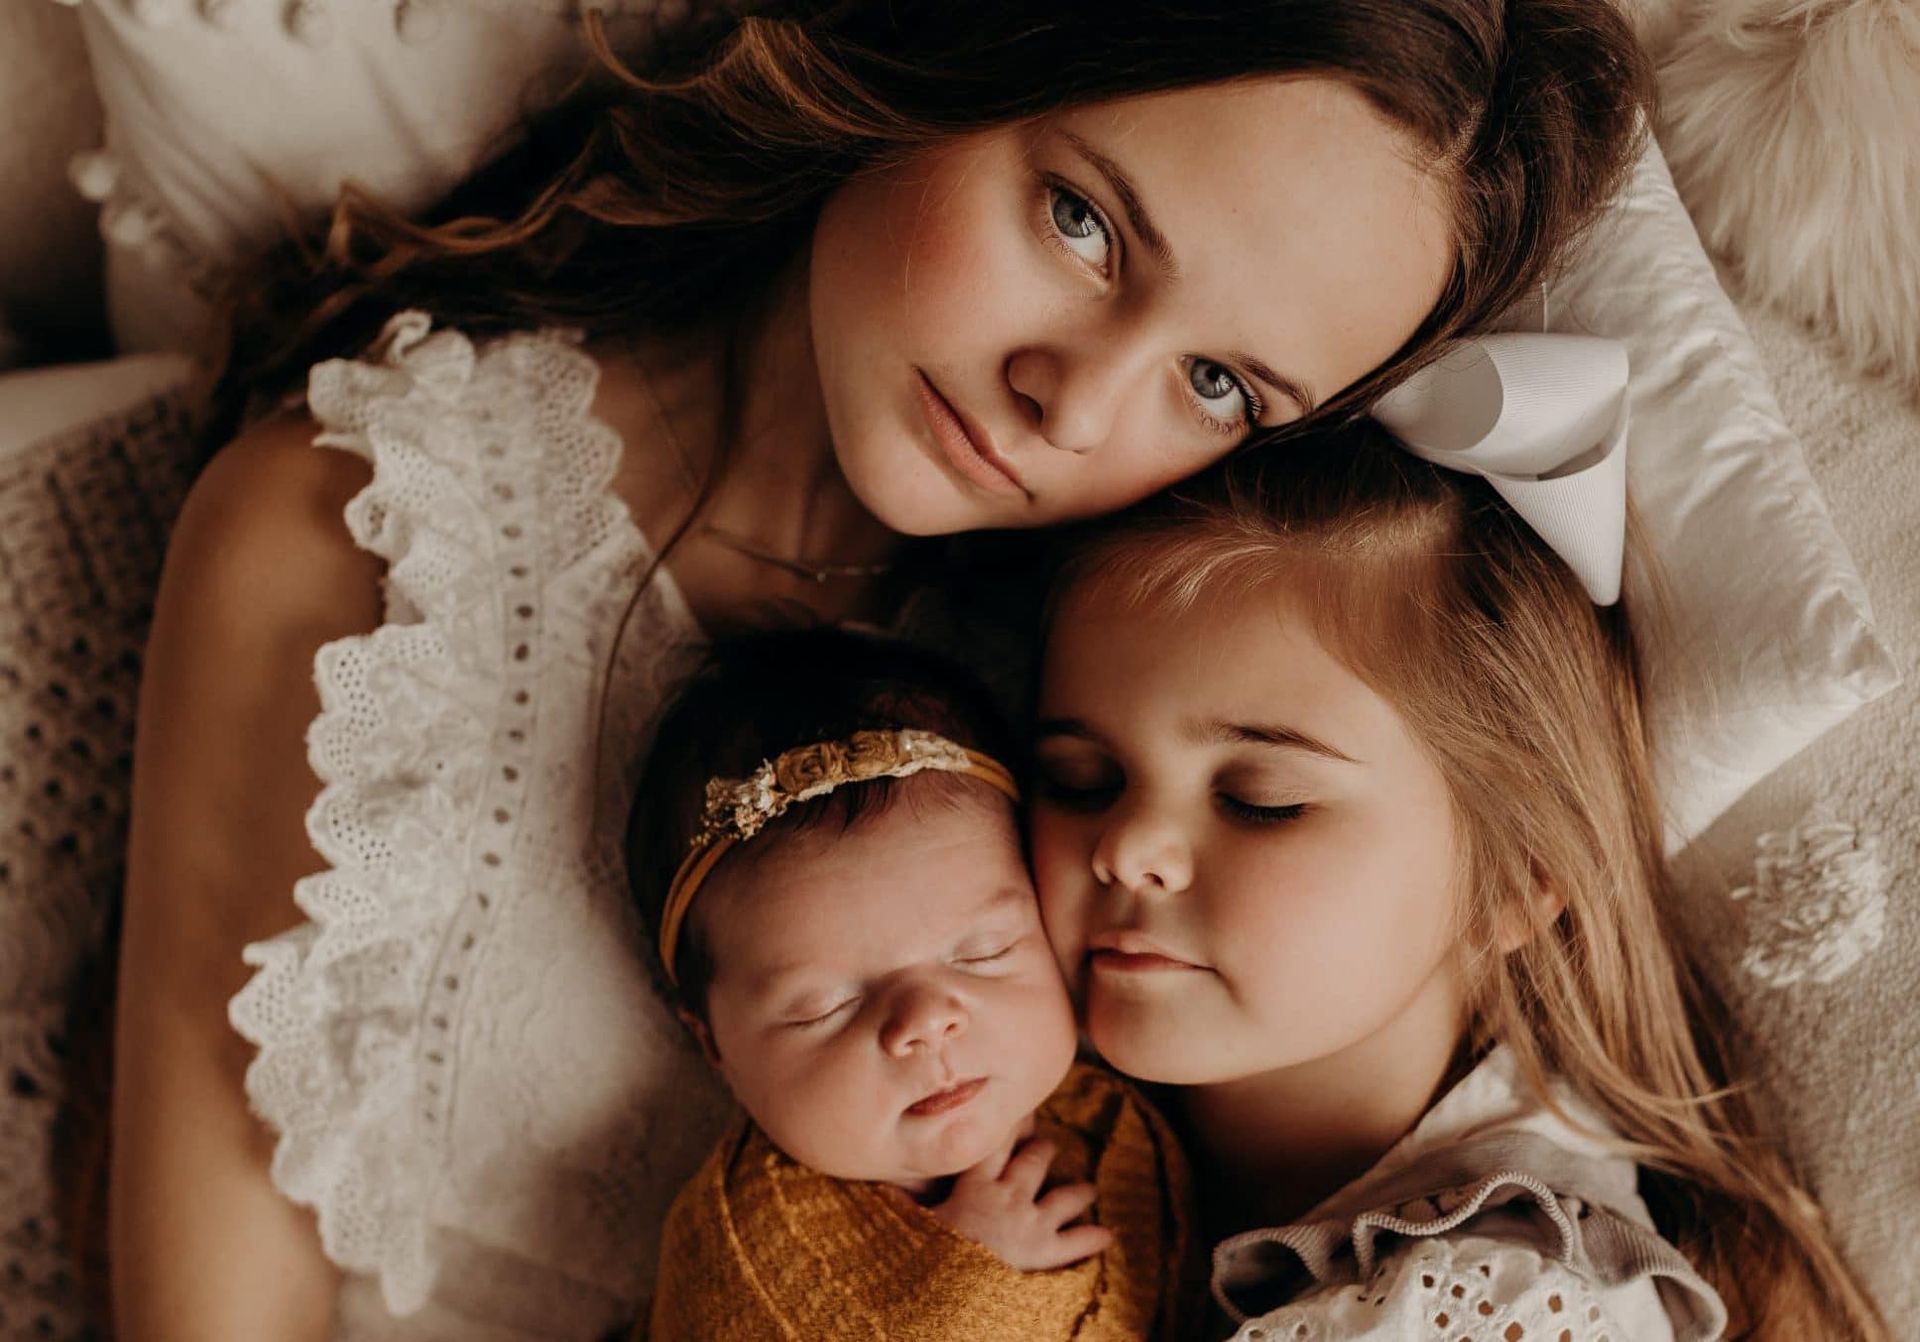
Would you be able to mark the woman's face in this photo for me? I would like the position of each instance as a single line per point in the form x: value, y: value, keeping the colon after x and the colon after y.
x: 1245, y: 858
x: 1054, y: 319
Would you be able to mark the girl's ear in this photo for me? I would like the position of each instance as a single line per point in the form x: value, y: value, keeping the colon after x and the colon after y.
x: 698, y: 1029
x: 1544, y: 904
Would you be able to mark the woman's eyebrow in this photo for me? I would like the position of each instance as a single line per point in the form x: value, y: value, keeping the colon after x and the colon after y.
x: 1296, y: 392
x: 1136, y: 210
x: 1142, y: 224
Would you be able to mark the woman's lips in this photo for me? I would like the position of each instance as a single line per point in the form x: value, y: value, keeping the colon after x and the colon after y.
x: 967, y: 452
x: 944, y: 1101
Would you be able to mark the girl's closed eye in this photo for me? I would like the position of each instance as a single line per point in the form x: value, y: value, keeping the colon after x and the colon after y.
x: 1074, y: 781
x: 1067, y: 796
x: 1254, y: 813
x: 1258, y: 796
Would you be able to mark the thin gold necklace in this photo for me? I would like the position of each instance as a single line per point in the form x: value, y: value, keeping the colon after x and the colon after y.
x: 818, y: 574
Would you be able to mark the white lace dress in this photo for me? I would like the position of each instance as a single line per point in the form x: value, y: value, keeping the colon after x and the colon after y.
x: 473, y: 1082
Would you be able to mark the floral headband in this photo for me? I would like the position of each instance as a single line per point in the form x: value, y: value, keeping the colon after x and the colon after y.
x: 738, y: 808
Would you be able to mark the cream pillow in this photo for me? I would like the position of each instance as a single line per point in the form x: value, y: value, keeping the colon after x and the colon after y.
x: 1772, y: 639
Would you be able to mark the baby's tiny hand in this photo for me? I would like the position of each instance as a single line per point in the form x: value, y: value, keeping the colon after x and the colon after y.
x: 998, y: 1203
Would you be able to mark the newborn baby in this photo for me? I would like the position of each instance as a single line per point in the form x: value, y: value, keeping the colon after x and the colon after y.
x: 854, y: 939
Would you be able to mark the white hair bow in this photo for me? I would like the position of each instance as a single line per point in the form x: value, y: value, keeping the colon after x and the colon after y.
x: 1544, y: 418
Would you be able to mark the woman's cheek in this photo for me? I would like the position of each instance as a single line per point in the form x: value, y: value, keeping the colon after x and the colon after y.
x: 969, y: 255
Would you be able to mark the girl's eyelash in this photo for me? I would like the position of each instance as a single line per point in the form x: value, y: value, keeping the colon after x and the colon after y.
x: 1071, y: 795
x: 1260, y: 815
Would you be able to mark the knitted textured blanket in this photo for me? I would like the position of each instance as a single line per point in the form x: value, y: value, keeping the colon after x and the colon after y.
x: 761, y: 1249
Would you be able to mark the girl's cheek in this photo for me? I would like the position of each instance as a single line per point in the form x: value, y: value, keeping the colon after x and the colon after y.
x: 1056, y: 863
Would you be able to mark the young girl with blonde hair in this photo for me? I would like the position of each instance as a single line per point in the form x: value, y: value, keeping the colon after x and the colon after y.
x: 1345, y: 825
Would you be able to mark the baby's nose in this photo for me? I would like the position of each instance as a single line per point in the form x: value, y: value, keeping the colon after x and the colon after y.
x: 923, y: 1018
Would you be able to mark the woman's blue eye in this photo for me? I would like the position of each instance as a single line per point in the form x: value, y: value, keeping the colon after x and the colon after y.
x: 1079, y: 225
x: 1215, y: 383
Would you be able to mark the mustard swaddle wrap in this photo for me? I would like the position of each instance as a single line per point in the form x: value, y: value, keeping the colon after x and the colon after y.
x: 759, y: 1248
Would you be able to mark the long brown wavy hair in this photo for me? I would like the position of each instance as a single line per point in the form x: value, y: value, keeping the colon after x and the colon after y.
x: 1532, y: 702
x: 669, y: 189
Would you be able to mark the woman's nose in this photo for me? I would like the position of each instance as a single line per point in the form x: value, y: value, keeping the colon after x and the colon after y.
x: 1144, y: 851
x: 1075, y: 396
x: 923, y: 1017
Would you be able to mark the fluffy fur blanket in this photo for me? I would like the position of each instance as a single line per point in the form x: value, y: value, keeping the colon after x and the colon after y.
x: 1793, y: 131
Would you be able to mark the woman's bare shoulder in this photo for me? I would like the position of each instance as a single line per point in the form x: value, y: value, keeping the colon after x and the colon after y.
x: 263, y: 534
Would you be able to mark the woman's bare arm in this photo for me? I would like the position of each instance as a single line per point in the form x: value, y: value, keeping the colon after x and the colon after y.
x: 260, y: 573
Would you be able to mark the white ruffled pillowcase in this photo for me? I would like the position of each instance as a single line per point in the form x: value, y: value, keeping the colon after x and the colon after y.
x: 213, y: 107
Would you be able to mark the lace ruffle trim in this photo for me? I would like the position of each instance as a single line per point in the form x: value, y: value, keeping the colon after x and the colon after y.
x: 352, y: 1012
x: 1473, y: 1292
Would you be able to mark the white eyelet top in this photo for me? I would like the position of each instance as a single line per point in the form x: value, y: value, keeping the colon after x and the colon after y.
x: 472, y: 1079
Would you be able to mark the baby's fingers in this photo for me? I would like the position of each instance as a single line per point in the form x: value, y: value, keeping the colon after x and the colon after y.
x: 1070, y: 1246
x: 1065, y: 1203
x: 1028, y: 1168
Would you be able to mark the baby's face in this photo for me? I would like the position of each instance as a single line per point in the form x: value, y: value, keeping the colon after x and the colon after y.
x: 884, y: 1002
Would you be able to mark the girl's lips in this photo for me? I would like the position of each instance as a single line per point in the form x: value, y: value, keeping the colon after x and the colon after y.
x: 1134, y: 962
x: 964, y: 450
x: 943, y: 1101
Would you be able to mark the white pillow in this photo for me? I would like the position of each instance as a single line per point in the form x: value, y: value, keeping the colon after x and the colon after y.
x: 1771, y: 638
x: 222, y: 114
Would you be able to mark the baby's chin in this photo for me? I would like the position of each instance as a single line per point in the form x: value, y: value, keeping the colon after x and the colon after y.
x: 952, y: 1144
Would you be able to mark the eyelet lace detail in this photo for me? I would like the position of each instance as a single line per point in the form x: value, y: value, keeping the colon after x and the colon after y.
x: 1465, y: 1290
x: 464, y: 1036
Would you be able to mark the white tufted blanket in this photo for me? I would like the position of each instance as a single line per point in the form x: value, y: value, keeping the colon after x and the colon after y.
x: 1808, y: 891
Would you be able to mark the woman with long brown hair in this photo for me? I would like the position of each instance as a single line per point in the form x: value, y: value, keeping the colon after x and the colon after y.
x: 719, y: 335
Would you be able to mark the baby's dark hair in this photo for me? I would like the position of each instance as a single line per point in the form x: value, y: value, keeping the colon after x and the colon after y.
x: 758, y: 694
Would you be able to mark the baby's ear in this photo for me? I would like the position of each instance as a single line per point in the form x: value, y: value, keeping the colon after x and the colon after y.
x: 698, y: 1029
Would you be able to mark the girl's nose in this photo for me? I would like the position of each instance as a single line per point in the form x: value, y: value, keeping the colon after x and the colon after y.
x: 923, y: 1017
x: 1143, y: 852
